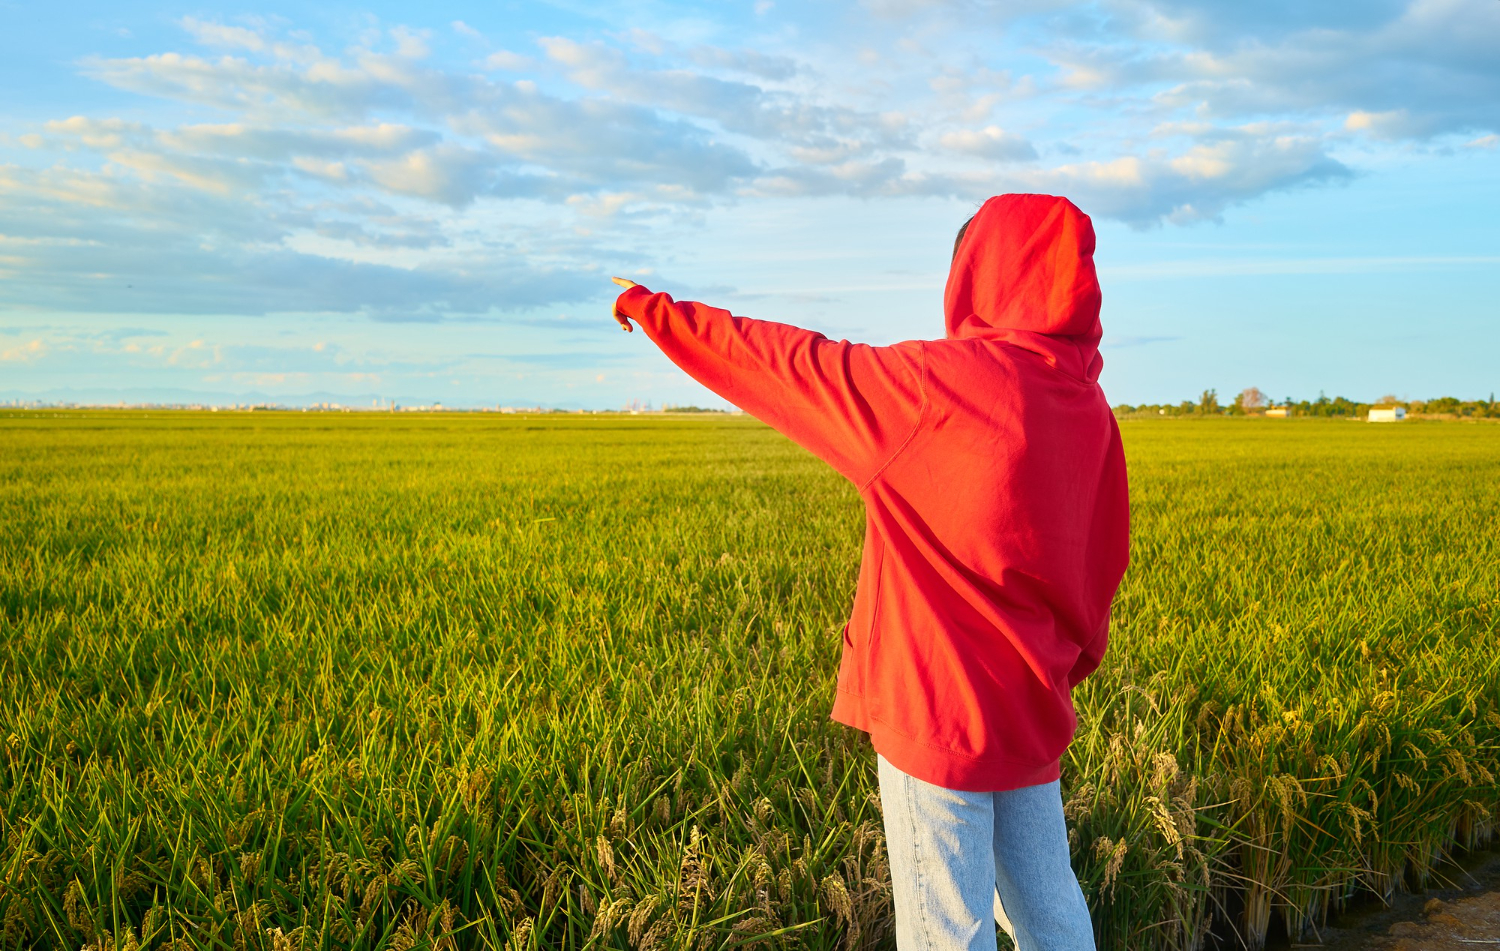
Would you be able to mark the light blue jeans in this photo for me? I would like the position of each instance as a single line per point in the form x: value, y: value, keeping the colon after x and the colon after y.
x: 963, y: 861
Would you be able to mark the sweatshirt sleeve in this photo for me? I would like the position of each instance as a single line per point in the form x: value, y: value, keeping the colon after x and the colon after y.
x: 852, y: 405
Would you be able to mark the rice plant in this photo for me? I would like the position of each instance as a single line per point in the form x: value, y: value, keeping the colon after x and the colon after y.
x: 275, y: 680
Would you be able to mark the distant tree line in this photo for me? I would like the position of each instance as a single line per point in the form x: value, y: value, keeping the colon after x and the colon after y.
x: 1252, y: 402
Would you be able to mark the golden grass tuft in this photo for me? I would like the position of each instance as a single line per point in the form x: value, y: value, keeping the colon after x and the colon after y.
x: 465, y: 682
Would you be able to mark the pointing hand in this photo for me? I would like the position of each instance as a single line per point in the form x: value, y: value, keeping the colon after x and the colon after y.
x: 620, y: 318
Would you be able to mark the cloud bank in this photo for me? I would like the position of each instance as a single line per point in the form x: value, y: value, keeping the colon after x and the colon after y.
x: 414, y: 175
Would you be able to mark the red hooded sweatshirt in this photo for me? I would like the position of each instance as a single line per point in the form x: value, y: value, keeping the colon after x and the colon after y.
x: 993, y: 479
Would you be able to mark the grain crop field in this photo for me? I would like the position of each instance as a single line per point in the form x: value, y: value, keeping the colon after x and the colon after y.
x: 285, y: 680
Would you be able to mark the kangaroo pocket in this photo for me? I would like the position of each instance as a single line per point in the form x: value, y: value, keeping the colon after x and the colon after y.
x: 861, y: 632
x: 963, y: 687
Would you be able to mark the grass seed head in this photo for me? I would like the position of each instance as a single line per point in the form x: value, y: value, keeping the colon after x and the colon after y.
x: 75, y: 909
x: 1113, y: 854
x: 652, y: 939
x: 521, y: 936
x: 605, y: 853
x: 639, y: 918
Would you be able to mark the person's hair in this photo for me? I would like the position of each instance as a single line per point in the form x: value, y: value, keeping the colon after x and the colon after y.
x: 962, y: 230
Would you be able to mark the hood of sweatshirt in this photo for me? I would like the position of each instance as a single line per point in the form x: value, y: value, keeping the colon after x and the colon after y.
x: 1024, y: 275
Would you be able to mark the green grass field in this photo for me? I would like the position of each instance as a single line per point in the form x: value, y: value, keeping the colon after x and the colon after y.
x: 310, y: 680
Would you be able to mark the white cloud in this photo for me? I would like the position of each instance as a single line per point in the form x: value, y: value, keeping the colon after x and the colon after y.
x: 278, y: 144
x: 379, y: 179
x: 81, y: 241
x: 738, y: 107
x: 223, y: 177
x: 450, y: 174
x: 194, y: 355
x: 512, y: 62
x: 606, y: 205
x: 1390, y: 125
x: 96, y: 133
x: 590, y: 143
x: 1195, y: 185
x: 310, y: 83
x: 24, y: 353
x: 991, y: 142
x: 222, y: 36
x: 973, y: 94
x: 1408, y: 69
x: 319, y: 168
x: 960, y: 13
x: 767, y: 66
x: 411, y: 44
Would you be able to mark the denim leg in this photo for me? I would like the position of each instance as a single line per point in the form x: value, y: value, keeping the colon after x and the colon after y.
x: 1002, y: 920
x: 1034, y: 874
x: 940, y: 843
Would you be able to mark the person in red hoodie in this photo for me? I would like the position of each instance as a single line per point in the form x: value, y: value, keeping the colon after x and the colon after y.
x: 996, y: 534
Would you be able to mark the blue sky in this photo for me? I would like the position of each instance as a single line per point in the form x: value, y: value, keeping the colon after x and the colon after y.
x: 378, y: 201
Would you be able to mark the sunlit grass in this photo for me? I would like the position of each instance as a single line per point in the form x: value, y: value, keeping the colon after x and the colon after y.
x: 285, y: 680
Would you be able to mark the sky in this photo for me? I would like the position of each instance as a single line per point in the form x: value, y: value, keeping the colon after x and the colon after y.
x: 368, y: 202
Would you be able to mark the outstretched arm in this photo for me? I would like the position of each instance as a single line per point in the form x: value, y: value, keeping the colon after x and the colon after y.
x: 853, y: 405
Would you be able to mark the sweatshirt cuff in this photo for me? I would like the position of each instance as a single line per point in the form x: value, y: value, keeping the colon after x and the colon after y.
x: 632, y: 301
